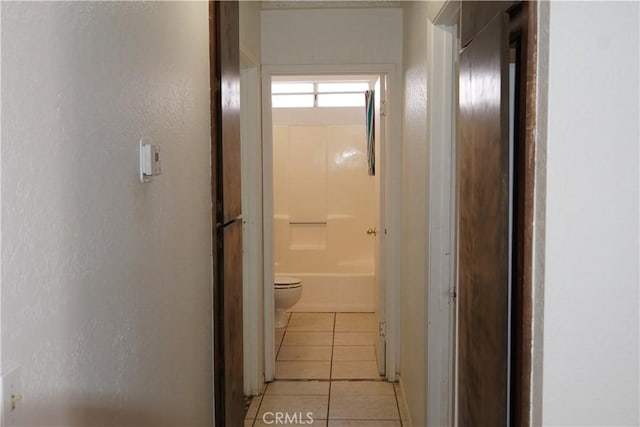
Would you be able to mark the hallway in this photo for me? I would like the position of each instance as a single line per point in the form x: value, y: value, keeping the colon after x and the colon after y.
x: 106, y: 291
x: 326, y: 370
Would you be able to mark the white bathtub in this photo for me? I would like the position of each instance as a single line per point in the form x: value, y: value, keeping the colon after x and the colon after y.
x: 336, y: 292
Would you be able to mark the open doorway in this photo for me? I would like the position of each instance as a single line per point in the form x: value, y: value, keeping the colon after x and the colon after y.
x: 326, y: 194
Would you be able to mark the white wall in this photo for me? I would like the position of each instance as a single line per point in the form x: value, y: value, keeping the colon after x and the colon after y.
x: 106, y: 297
x: 427, y: 273
x: 332, y: 36
x: 590, y: 366
x: 250, y: 28
x: 415, y: 160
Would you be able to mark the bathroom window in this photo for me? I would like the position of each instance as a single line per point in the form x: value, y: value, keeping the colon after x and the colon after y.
x: 310, y: 94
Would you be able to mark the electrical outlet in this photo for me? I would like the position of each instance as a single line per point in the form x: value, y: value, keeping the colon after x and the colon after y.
x: 11, y: 397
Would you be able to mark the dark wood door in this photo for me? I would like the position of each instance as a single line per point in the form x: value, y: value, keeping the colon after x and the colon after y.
x: 232, y: 323
x: 229, y: 72
x: 484, y: 227
x: 226, y: 212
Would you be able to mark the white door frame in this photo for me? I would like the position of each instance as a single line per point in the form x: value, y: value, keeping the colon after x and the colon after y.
x: 392, y: 208
x: 251, y: 164
x: 441, y: 262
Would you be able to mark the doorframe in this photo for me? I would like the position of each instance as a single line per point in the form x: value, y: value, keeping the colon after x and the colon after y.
x: 441, y: 274
x: 392, y: 210
x: 251, y: 166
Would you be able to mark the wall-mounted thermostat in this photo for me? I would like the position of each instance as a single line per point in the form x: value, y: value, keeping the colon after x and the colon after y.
x: 149, y: 160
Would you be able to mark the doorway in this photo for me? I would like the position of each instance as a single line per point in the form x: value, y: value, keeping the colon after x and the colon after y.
x: 366, y: 279
x: 326, y: 197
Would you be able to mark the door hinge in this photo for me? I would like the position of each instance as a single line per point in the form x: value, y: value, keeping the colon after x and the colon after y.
x: 383, y: 108
x: 382, y: 329
x: 453, y: 296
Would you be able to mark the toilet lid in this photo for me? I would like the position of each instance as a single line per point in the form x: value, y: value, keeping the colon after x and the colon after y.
x: 286, y: 281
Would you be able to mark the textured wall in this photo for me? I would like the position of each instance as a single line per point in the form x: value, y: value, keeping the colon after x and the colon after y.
x: 415, y: 184
x: 106, y: 300
x: 332, y: 36
x: 590, y: 368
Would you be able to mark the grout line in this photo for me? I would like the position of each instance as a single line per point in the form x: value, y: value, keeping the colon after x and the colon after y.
x: 280, y: 345
x: 282, y: 339
x: 259, y: 406
x: 333, y: 340
x: 395, y: 393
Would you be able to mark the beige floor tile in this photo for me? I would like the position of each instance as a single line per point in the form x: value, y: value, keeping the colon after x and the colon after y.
x: 354, y: 338
x: 298, y: 387
x: 299, y: 405
x: 305, y: 422
x: 314, y: 316
x: 354, y: 352
x: 356, y: 322
x: 311, y: 324
x: 362, y: 388
x: 307, y: 338
x: 305, y: 352
x: 302, y: 370
x: 363, y: 408
x: 253, y: 407
x: 354, y: 370
x: 363, y: 423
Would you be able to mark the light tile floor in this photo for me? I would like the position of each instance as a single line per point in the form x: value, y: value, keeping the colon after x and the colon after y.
x: 326, y: 371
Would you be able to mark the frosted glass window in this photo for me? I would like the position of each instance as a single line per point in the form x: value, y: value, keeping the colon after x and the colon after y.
x: 293, y: 101
x: 341, y: 100
x: 291, y: 87
x: 343, y: 87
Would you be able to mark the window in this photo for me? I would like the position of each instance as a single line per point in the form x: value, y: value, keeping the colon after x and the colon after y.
x: 295, y: 94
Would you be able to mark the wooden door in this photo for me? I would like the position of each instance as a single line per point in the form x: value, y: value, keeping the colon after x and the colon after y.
x: 484, y: 227
x: 227, y: 217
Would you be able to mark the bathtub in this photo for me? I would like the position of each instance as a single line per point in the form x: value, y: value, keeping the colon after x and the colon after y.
x: 334, y: 260
x: 343, y: 292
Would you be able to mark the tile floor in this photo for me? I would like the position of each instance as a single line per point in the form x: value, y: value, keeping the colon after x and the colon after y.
x: 326, y: 371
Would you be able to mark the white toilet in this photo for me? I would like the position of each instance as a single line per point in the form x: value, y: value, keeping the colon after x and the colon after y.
x: 287, y: 291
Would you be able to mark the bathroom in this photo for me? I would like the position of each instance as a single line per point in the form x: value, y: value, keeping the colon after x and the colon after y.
x: 324, y: 200
x: 326, y: 203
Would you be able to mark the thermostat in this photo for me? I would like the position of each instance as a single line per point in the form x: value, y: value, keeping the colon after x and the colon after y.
x: 149, y: 160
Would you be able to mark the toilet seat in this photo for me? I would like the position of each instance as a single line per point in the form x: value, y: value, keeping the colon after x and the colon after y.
x: 281, y: 286
x: 287, y: 282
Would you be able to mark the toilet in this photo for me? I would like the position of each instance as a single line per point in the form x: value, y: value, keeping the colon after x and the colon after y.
x: 286, y: 291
